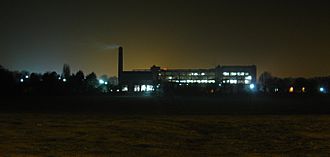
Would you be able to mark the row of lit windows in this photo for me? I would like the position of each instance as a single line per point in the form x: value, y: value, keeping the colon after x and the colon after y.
x: 237, y: 78
x: 193, y: 81
x: 189, y: 78
x: 235, y: 74
x: 140, y: 88
x: 232, y: 81
x: 187, y: 74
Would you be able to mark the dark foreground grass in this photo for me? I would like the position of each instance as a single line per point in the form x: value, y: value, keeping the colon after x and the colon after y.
x: 106, y: 135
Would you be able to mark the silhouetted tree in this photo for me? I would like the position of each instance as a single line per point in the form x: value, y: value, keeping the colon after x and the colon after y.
x: 66, y: 71
x: 92, y: 82
x: 265, y: 80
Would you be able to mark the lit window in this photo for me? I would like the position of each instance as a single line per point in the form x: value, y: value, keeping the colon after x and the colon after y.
x: 136, y: 88
x: 211, y: 81
x: 233, y: 74
x: 225, y: 73
x: 170, y: 77
x: 248, y: 78
x: 291, y: 89
x: 150, y: 88
x: 143, y: 88
x: 247, y: 81
x: 233, y: 81
x: 124, y: 89
x: 202, y: 74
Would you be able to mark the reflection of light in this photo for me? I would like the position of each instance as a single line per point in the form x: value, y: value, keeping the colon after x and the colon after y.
x: 101, y: 82
x: 252, y: 86
x: 291, y: 90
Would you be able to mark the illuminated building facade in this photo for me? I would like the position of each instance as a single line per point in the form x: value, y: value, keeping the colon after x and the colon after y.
x: 152, y: 79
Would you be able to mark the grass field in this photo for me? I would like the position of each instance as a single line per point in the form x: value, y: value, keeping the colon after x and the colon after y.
x: 37, y: 134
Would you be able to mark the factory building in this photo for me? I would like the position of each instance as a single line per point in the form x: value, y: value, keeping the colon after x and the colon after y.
x: 148, y: 80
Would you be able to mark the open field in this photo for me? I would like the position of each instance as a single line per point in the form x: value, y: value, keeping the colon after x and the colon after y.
x: 174, y: 126
x: 106, y: 135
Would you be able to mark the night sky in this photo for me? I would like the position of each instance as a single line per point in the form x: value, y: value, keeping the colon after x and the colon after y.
x: 284, y: 37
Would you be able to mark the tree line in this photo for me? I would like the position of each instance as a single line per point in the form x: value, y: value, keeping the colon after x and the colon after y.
x: 49, y: 83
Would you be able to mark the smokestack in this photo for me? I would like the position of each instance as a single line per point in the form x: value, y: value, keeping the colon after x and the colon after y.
x: 120, y: 62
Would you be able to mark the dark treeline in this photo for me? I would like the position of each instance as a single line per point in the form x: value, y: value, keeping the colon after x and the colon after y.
x: 49, y: 83
x: 309, y: 86
x: 52, y: 83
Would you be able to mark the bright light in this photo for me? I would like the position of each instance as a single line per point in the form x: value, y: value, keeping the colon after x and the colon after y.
x: 202, y: 74
x: 105, y: 83
x: 22, y: 80
x: 252, y: 86
x: 291, y: 90
x: 225, y: 73
x: 101, y: 82
x: 276, y: 90
x: 27, y: 76
x: 322, y: 90
x: 64, y: 80
x: 303, y: 89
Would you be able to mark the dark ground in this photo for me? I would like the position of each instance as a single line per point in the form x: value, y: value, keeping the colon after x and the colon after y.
x: 176, y: 126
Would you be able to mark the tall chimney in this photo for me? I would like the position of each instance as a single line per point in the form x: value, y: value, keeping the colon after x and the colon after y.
x: 120, y: 63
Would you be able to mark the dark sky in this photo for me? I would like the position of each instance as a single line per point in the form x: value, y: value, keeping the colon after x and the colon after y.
x: 284, y: 37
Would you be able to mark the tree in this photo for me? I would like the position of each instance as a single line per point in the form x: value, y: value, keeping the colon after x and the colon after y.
x: 265, y: 80
x: 91, y: 80
x: 66, y: 71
